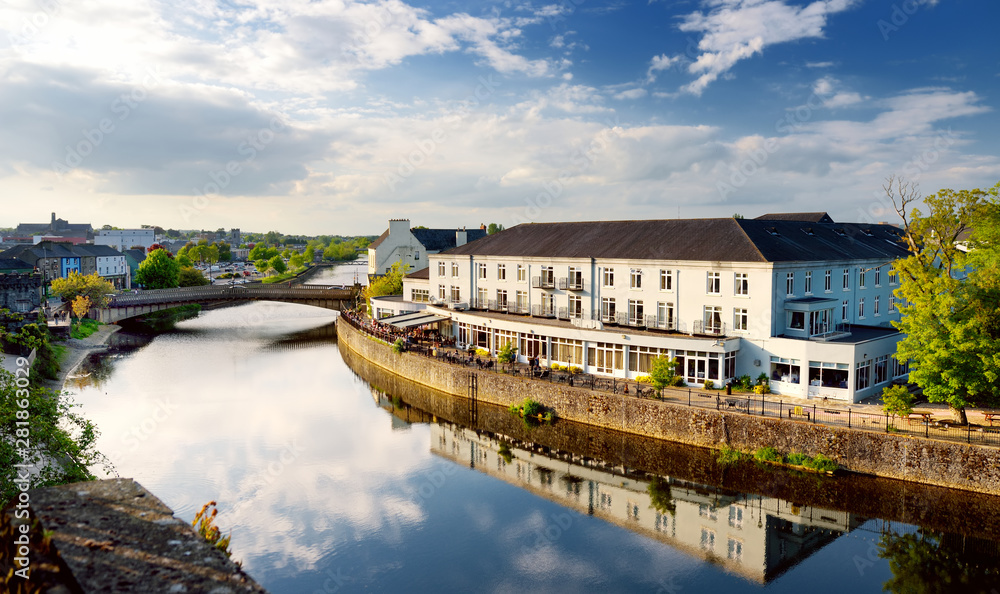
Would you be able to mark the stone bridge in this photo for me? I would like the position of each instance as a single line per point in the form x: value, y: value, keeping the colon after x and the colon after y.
x: 136, y: 303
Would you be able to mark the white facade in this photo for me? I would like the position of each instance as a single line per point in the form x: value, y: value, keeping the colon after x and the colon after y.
x: 817, y: 329
x: 123, y: 239
x: 399, y: 244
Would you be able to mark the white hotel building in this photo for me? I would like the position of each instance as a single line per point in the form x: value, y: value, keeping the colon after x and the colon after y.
x: 798, y: 297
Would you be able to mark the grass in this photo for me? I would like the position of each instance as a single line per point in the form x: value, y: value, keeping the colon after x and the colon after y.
x: 821, y: 463
x: 84, y: 328
x: 727, y: 455
x: 284, y: 276
x: 768, y: 454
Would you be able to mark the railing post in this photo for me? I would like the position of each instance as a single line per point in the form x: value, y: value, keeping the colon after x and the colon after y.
x: 969, y: 431
x: 762, y: 405
x: 689, y: 396
x: 887, y: 422
x: 814, y: 414
x: 780, y: 412
x: 848, y: 417
x: 748, y: 404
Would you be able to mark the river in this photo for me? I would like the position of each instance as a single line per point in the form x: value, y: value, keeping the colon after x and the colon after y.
x: 340, y: 478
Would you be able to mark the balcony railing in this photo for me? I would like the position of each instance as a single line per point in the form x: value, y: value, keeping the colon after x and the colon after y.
x: 562, y: 313
x: 497, y: 305
x: 521, y: 308
x: 660, y: 324
x: 479, y: 303
x: 543, y: 282
x: 710, y: 329
x: 543, y: 311
x: 575, y: 283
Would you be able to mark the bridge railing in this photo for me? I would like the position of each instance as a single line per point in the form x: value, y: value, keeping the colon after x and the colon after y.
x: 235, y: 292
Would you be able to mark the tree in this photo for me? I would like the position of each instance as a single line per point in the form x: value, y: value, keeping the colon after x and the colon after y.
x: 158, y: 271
x: 81, y: 305
x: 507, y: 354
x: 261, y: 265
x: 660, y: 497
x: 390, y: 284
x: 155, y: 246
x: 184, y: 261
x: 928, y: 562
x: 897, y: 400
x: 63, y: 443
x: 189, y: 277
x: 493, y: 228
x: 296, y: 261
x: 277, y: 264
x: 949, y: 294
x: 310, y: 254
x: 663, y: 372
x: 91, y: 286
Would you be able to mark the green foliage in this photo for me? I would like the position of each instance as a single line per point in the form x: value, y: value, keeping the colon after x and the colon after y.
x: 277, y: 264
x: 744, y: 382
x: 709, y: 385
x: 663, y: 372
x: 821, y: 463
x: 728, y: 455
x: 949, y: 297
x: 390, y: 284
x: 482, y: 352
x: 399, y: 346
x: 507, y: 354
x: 768, y: 454
x: 493, y: 228
x: 158, y: 271
x: 763, y: 380
x: 204, y: 522
x: 84, y: 328
x: 340, y: 251
x: 505, y: 453
x: 63, y: 442
x: 189, y: 277
x: 261, y: 265
x: 897, y: 400
x: 927, y: 562
x: 761, y: 389
x: 660, y: 497
x: 91, y: 286
x: 296, y: 260
x: 796, y: 458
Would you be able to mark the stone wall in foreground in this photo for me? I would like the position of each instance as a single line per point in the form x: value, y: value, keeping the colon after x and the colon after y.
x: 949, y: 464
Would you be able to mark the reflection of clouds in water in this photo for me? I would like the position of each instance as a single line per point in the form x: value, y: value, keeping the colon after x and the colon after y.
x: 288, y: 442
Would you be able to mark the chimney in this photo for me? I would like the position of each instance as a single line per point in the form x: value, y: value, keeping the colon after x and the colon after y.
x: 461, y: 237
x: 399, y: 227
x: 53, y: 223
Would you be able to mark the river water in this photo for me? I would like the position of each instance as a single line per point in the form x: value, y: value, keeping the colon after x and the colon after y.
x: 337, y: 477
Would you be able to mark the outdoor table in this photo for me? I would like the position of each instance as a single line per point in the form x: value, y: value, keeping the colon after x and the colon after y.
x: 991, y: 417
x: 921, y: 416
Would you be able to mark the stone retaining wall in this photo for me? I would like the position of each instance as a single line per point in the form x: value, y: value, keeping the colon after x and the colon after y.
x: 949, y: 464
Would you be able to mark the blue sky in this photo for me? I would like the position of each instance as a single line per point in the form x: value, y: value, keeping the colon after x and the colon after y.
x: 334, y: 116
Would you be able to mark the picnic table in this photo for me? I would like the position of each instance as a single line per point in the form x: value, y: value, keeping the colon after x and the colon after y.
x: 992, y: 416
x: 798, y: 411
x: 921, y: 417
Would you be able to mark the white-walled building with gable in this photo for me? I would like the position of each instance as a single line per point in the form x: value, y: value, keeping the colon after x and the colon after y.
x: 806, y: 302
x: 399, y: 243
x: 124, y: 239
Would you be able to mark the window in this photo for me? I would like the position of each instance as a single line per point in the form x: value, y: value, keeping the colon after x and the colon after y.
x: 456, y: 294
x: 605, y: 357
x: 481, y: 270
x: 830, y: 375
x: 441, y: 269
x: 665, y: 315
x: 708, y: 540
x: 635, y: 314
x: 881, y: 370
x: 875, y: 311
x: 827, y: 285
x: 521, y: 301
x: 713, y: 319
x: 892, y: 303
x: 878, y: 277
x: 735, y: 516
x: 575, y: 306
x: 847, y: 279
x: 501, y: 272
x: 666, y: 280
x: 609, y: 277
x: 548, y: 304
x: 548, y: 276
x: 454, y: 269
x: 522, y: 273
x: 635, y: 279
x: 640, y: 358
x: 742, y: 284
x: 862, y: 273
x: 420, y: 295
x: 845, y: 310
x: 861, y: 308
x: 809, y: 283
x: 481, y: 298
x: 892, y: 275
x: 502, y: 299
x: 900, y: 369
x: 608, y: 309
x: 714, y: 284
x: 740, y: 319
x: 790, y: 284
x: 575, y: 278
x: 416, y: 255
x: 863, y: 374
x: 735, y: 549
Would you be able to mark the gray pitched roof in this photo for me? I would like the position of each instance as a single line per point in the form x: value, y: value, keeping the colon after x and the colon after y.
x: 14, y: 264
x: 728, y: 240
x: 102, y: 251
x: 434, y: 239
x: 45, y: 249
x: 422, y: 273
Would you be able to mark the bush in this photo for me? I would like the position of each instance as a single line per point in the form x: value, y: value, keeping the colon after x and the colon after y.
x: 760, y: 389
x: 482, y: 353
x: 643, y: 379
x: 768, y: 454
x: 728, y: 455
x: 897, y: 400
x: 576, y: 370
x: 821, y: 463
x: 796, y: 459
x: 744, y: 382
x: 556, y: 367
x: 763, y: 380
x: 709, y: 385
x: 399, y: 346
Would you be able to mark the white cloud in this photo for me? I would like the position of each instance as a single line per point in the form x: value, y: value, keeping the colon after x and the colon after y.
x: 735, y: 30
x: 631, y: 94
x: 659, y: 63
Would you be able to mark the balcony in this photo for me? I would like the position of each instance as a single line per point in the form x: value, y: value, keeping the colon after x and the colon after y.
x: 657, y: 324
x: 543, y: 282
x: 543, y: 311
x: 497, y: 305
x: 479, y: 303
x: 710, y: 329
x: 520, y: 308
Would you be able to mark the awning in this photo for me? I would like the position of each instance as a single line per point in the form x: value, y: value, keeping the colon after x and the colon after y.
x: 410, y: 320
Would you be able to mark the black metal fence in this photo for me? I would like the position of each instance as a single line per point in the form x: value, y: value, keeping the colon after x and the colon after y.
x: 740, y: 403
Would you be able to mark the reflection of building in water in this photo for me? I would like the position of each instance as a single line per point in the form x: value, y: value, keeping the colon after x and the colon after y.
x: 755, y: 536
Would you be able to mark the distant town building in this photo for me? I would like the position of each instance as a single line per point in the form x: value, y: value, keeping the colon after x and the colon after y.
x: 399, y: 243
x: 55, y: 228
x: 20, y: 292
x: 123, y: 239
x: 52, y: 260
x: 109, y: 263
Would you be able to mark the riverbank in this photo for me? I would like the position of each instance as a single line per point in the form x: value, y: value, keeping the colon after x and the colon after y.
x: 78, y: 349
x: 869, y: 450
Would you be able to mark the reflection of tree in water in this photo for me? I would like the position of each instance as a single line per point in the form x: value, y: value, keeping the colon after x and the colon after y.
x: 94, y: 371
x: 928, y: 562
x: 660, y: 496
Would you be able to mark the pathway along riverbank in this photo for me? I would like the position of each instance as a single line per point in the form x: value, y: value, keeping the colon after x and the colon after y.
x: 958, y: 465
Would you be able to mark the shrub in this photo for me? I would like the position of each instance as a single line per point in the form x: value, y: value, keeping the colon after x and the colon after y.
x: 532, y: 407
x: 709, y: 385
x: 482, y: 353
x: 643, y: 379
x: 399, y: 346
x: 507, y: 354
x: 744, y: 382
x: 768, y: 454
x: 663, y: 372
x: 556, y: 367
x: 762, y: 379
x: 897, y: 400
x: 576, y: 370
x: 760, y: 389
x: 796, y: 459
x: 728, y: 455
x: 821, y: 463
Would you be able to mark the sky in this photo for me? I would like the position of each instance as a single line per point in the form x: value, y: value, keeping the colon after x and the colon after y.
x: 331, y: 117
